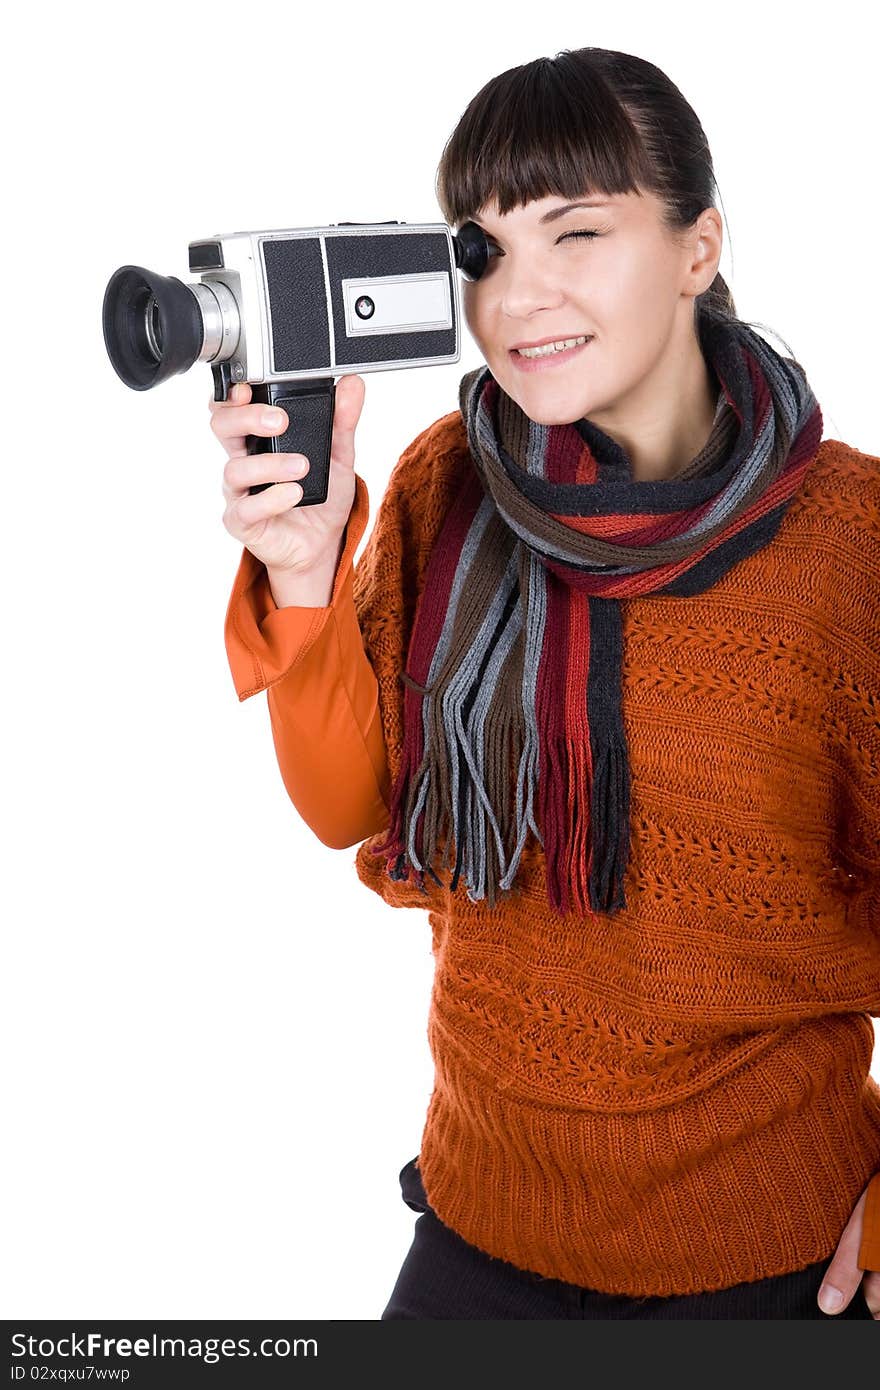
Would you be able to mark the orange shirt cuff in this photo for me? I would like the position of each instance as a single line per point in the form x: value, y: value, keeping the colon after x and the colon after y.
x: 263, y: 641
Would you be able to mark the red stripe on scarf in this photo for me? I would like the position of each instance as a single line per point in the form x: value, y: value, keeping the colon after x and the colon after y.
x: 427, y: 628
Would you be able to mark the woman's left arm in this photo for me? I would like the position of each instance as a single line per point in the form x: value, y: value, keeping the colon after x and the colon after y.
x: 857, y: 1256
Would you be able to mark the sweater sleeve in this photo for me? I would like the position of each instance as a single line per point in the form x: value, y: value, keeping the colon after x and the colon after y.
x: 853, y: 502
x: 322, y: 694
x: 869, y: 1247
x: 853, y: 712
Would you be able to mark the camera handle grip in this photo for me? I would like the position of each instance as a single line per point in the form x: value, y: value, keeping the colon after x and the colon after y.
x: 309, y: 405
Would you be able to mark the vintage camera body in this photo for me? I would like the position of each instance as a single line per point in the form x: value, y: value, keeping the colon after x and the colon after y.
x: 288, y: 311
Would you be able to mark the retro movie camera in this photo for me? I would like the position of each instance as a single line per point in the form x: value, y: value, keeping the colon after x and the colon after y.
x: 287, y: 311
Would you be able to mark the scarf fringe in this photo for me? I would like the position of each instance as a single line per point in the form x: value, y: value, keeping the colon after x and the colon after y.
x: 483, y: 859
x: 474, y: 844
x: 586, y: 828
x: 611, y: 825
x: 412, y: 767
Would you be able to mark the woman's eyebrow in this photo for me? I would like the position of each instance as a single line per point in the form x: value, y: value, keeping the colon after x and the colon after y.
x: 552, y: 215
x: 555, y: 213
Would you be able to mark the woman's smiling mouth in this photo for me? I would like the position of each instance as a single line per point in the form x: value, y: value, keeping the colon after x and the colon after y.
x: 548, y: 355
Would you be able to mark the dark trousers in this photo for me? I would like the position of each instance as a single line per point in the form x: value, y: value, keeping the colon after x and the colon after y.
x: 443, y: 1276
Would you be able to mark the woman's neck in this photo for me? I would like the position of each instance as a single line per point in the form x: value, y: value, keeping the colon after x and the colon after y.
x: 671, y: 420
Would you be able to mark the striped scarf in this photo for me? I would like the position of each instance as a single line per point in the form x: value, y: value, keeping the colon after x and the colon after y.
x: 512, y: 706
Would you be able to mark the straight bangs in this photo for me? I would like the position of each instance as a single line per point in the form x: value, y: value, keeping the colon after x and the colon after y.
x: 534, y: 131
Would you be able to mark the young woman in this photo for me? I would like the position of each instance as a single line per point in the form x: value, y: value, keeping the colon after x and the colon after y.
x: 603, y: 696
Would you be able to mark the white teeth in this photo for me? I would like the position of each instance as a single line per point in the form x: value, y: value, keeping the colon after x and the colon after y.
x: 549, y: 348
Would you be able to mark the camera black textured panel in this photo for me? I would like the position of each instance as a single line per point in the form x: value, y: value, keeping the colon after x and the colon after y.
x: 403, y: 253
x: 298, y: 305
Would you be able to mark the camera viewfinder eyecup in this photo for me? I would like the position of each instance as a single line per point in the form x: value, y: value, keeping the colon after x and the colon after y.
x: 471, y: 250
x: 153, y: 326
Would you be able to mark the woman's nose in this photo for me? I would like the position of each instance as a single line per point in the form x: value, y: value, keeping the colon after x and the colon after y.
x: 527, y: 291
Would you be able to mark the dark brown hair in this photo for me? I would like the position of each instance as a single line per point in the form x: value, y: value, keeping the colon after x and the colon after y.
x: 590, y: 120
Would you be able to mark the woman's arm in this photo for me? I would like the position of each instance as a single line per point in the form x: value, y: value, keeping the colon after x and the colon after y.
x: 333, y: 673
x: 322, y: 693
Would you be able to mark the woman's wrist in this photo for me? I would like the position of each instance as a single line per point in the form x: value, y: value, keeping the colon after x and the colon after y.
x: 304, y: 589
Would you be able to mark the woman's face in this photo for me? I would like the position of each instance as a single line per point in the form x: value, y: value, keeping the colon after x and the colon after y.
x: 627, y: 286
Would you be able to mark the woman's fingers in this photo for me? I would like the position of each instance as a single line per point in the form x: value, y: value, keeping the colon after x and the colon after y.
x: 242, y: 472
x: 239, y: 395
x: 263, y: 505
x: 234, y: 419
x: 233, y: 423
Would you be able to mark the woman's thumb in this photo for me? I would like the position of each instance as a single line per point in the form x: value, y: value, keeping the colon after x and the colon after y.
x: 348, y: 403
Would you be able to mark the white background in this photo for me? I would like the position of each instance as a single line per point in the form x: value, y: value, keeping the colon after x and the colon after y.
x: 215, y: 1059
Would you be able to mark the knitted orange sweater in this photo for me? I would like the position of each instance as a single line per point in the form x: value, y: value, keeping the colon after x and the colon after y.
x: 679, y: 1098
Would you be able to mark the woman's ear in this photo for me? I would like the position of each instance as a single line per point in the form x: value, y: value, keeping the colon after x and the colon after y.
x: 706, y: 243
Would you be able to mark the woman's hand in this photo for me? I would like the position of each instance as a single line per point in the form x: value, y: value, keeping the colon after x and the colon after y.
x: 843, y: 1274
x: 296, y: 540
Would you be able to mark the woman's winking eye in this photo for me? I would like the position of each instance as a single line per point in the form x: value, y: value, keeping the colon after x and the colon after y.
x: 495, y: 249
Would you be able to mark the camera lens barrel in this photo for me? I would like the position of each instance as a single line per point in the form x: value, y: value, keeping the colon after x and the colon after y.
x: 221, y: 321
x: 156, y: 326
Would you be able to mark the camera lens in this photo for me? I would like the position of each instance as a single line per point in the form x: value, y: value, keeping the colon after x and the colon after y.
x: 154, y: 329
x: 153, y: 326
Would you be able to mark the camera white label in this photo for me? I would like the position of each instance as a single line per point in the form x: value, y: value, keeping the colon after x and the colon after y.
x: 396, y: 304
